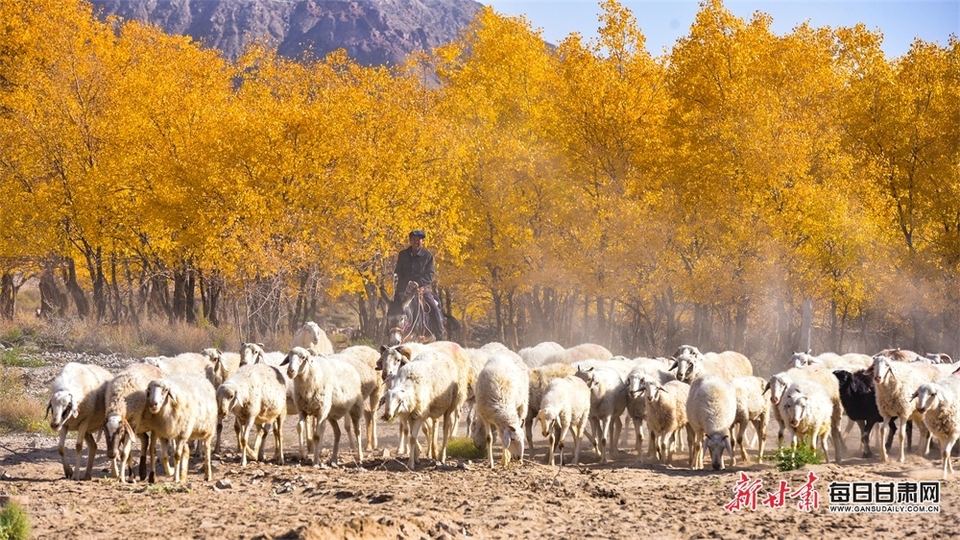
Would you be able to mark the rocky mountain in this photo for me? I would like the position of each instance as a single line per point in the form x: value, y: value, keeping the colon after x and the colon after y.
x: 373, y: 32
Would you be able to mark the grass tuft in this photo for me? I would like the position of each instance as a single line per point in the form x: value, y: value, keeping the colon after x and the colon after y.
x: 463, y: 448
x: 14, y: 522
x: 789, y: 459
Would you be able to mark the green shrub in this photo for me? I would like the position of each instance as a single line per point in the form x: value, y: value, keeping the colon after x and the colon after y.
x: 14, y: 522
x: 789, y: 459
x: 463, y: 447
x: 17, y: 357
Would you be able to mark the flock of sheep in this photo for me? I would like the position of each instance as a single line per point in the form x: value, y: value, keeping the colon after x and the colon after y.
x: 711, y: 397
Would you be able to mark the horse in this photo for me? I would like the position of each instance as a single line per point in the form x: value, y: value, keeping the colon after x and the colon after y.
x: 408, y: 317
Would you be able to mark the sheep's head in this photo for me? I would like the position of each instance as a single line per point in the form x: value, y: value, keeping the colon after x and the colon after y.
x: 548, y: 420
x: 513, y: 443
x: 61, y: 408
x: 116, y: 430
x: 882, y: 368
x: 251, y: 353
x: 803, y: 359
x: 296, y: 361
x: 392, y: 359
x: 799, y: 411
x: 777, y: 385
x: 158, y: 393
x: 687, y: 363
x: 395, y: 401
x: 226, y: 400
x: 926, y: 395
x: 716, y: 444
x: 652, y: 390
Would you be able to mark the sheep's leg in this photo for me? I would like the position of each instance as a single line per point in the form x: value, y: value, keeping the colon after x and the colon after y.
x: 262, y: 430
x: 369, y: 419
x: 403, y: 447
x: 616, y: 429
x: 605, y: 438
x: 577, y: 439
x: 355, y: 420
x: 901, y: 431
x: 946, y: 447
x: 761, y: 426
x: 595, y: 434
x: 551, y: 442
x: 638, y: 431
x: 207, y: 465
x: 415, y: 426
x: 886, y: 426
x: 301, y: 434
x: 448, y: 430
x: 741, y: 430
x: 61, y: 448
x: 151, y: 450
x: 91, y: 454
x: 219, y: 431
x: 334, y: 458
x: 278, y: 439
x: 489, y: 429
x: 165, y: 445
x: 243, y: 438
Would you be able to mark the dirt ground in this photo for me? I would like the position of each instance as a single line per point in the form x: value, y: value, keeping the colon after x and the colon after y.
x: 382, y: 499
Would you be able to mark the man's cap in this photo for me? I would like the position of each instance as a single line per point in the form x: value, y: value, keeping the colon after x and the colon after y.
x: 418, y: 233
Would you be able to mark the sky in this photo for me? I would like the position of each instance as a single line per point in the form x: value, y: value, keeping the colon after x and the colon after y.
x: 662, y: 22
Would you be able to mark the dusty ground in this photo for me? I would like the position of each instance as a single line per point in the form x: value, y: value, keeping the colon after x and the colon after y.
x: 382, y: 499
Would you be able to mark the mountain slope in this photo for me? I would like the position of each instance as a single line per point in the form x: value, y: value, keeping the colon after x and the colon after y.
x: 373, y: 32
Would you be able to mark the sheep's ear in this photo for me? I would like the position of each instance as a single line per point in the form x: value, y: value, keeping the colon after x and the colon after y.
x: 383, y: 348
x: 286, y: 360
x: 674, y: 366
x: 49, y: 411
x: 172, y: 396
x: 766, y: 387
x: 405, y: 351
x: 809, y: 351
x: 915, y: 395
x: 74, y: 410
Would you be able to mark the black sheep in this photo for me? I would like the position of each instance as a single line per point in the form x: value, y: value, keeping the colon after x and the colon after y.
x: 859, y: 398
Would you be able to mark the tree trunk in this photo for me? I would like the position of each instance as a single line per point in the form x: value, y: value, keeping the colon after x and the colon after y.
x: 8, y: 295
x: 70, y: 280
x: 53, y: 301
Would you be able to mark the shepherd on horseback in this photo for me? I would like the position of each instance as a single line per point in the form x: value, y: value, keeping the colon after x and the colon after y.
x: 415, y: 269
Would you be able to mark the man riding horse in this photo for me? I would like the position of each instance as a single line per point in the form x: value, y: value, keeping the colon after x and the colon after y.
x: 415, y: 268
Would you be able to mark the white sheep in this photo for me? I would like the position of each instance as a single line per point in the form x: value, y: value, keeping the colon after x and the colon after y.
x: 752, y: 408
x: 126, y: 403
x: 421, y: 390
x: 188, y: 362
x: 256, y: 395
x: 539, y: 378
x: 711, y: 411
x: 808, y: 409
x: 502, y: 394
x: 666, y: 413
x: 328, y: 390
x: 778, y: 384
x: 939, y: 402
x: 252, y: 353
x: 313, y: 338
x: 608, y: 400
x: 77, y: 403
x: 584, y: 351
x: 222, y: 366
x: 831, y: 361
x: 537, y: 355
x: 564, y: 406
x: 690, y: 363
x: 645, y: 369
x: 182, y: 408
x: 896, y: 382
x: 364, y: 360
